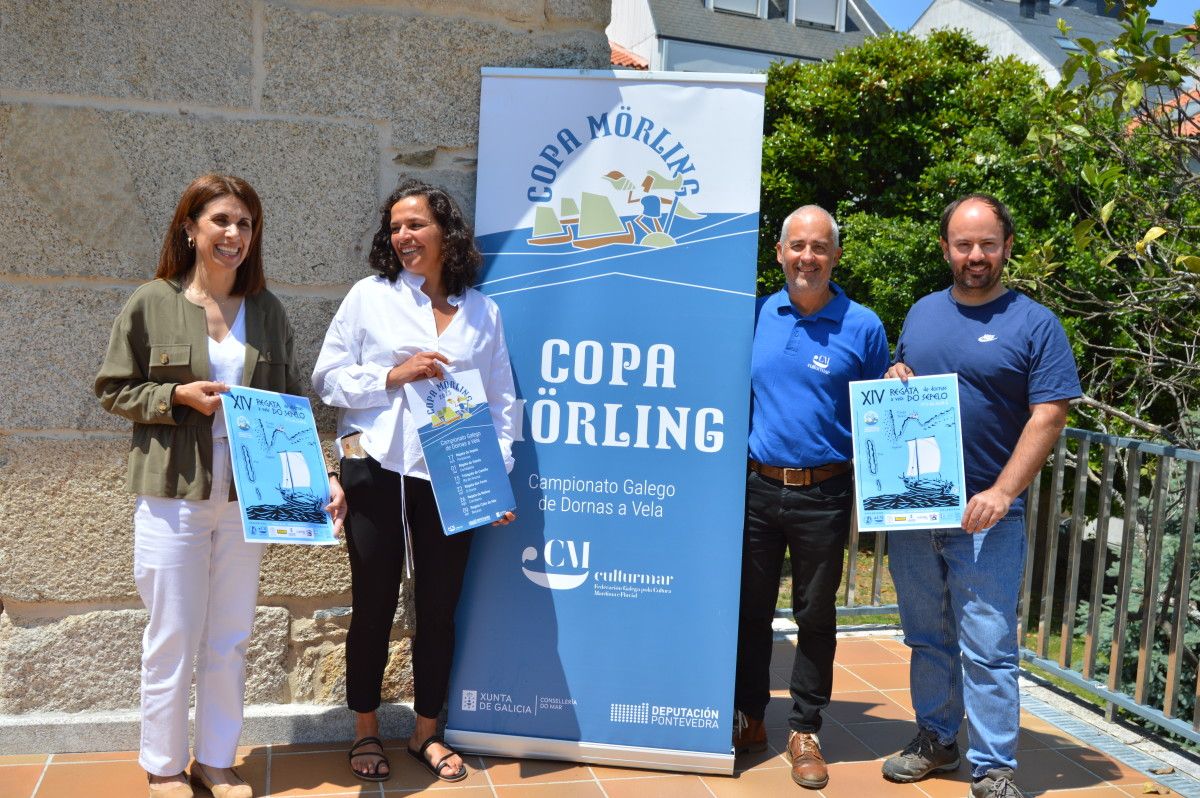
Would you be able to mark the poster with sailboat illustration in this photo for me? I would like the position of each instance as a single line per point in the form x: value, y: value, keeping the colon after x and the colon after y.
x: 908, y: 461
x: 278, y: 467
x: 462, y: 452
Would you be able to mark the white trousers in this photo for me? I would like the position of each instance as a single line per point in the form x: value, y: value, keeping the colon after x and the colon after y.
x: 199, y: 580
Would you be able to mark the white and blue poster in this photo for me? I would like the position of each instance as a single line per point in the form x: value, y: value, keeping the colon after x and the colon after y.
x: 908, y: 459
x: 278, y: 467
x: 618, y: 216
x: 461, y: 450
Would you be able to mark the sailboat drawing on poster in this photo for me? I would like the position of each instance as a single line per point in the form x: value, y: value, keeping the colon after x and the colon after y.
x: 299, y: 501
x: 923, y: 475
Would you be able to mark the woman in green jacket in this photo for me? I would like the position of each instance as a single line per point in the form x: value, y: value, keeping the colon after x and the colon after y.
x: 206, y: 322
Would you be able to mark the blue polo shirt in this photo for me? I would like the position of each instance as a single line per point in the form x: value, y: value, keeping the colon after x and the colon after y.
x: 1009, y: 353
x: 800, y: 370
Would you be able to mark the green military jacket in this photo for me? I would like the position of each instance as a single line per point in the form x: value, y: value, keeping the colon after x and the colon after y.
x: 159, y: 341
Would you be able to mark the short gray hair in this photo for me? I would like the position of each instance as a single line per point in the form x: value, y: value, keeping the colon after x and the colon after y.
x: 833, y: 225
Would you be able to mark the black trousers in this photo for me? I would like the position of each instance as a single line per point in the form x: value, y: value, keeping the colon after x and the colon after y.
x: 813, y: 523
x: 375, y: 537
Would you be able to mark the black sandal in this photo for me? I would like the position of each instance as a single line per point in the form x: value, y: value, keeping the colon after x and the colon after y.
x: 436, y: 767
x: 380, y: 758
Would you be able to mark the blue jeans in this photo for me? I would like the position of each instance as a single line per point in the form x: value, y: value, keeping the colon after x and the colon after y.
x: 958, y: 606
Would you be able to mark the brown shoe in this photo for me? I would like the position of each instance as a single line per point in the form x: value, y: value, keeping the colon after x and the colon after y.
x: 749, y: 734
x: 808, y: 766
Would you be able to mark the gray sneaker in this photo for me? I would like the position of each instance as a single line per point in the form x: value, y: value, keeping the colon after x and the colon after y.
x: 998, y: 783
x: 923, y: 755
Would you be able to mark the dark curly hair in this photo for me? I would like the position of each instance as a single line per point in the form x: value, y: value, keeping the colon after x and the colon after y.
x: 460, y: 257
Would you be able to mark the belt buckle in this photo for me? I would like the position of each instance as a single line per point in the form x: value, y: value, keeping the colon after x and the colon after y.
x: 802, y: 480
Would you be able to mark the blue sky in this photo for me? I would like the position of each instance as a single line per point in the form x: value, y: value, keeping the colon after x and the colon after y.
x: 901, y: 14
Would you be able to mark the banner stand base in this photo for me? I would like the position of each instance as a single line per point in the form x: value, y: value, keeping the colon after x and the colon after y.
x: 516, y: 747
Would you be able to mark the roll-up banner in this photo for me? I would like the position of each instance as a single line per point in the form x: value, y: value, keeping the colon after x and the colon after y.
x: 618, y: 216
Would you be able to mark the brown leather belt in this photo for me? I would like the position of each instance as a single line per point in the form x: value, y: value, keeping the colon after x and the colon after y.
x: 800, y: 477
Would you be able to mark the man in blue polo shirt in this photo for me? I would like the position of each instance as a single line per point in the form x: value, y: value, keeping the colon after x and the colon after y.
x: 957, y: 588
x: 810, y: 341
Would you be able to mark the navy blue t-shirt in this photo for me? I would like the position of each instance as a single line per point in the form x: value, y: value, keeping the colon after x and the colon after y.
x: 800, y: 373
x: 1009, y: 354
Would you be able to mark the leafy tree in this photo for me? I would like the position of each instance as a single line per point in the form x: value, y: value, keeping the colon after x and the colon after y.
x: 885, y: 135
x: 1126, y: 140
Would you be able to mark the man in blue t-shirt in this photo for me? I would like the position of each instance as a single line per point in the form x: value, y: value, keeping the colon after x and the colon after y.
x: 957, y: 588
x: 810, y: 341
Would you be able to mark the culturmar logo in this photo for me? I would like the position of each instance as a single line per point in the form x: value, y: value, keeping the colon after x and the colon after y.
x: 820, y: 363
x: 568, y: 555
x: 648, y: 201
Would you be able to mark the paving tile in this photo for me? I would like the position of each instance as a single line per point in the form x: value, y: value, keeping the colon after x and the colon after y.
x: 865, y: 652
x: 18, y: 781
x: 571, y: 789
x: 884, y: 677
x: 663, y: 787
x: 408, y: 774
x: 770, y: 758
x: 1091, y: 792
x: 1138, y: 790
x: 612, y: 772
x: 23, y: 759
x: 314, y: 773
x: 304, y: 748
x: 955, y: 784
x: 1048, y: 770
x: 93, y: 779
x: 533, y: 771
x: 845, y: 681
x: 752, y: 784
x: 885, y: 737
x: 1052, y: 737
x: 455, y: 790
x: 253, y: 750
x: 868, y: 706
x: 99, y: 756
x: 902, y: 697
x: 1103, y: 766
x: 859, y: 779
x: 896, y: 646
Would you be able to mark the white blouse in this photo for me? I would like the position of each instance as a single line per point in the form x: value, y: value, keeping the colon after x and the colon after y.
x: 382, y: 324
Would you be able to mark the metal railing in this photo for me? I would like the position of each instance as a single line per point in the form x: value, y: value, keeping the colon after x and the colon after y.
x: 1104, y: 536
x: 1153, y: 489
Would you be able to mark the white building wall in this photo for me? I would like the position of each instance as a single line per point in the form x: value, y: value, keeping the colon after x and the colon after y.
x: 632, y: 27
x: 996, y: 33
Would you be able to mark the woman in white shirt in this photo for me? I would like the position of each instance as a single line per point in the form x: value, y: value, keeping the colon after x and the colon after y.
x: 417, y: 318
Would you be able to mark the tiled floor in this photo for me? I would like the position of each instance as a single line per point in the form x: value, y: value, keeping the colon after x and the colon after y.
x: 870, y: 718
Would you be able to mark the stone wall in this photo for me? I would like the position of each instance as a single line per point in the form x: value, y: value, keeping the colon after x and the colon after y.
x: 108, y: 108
